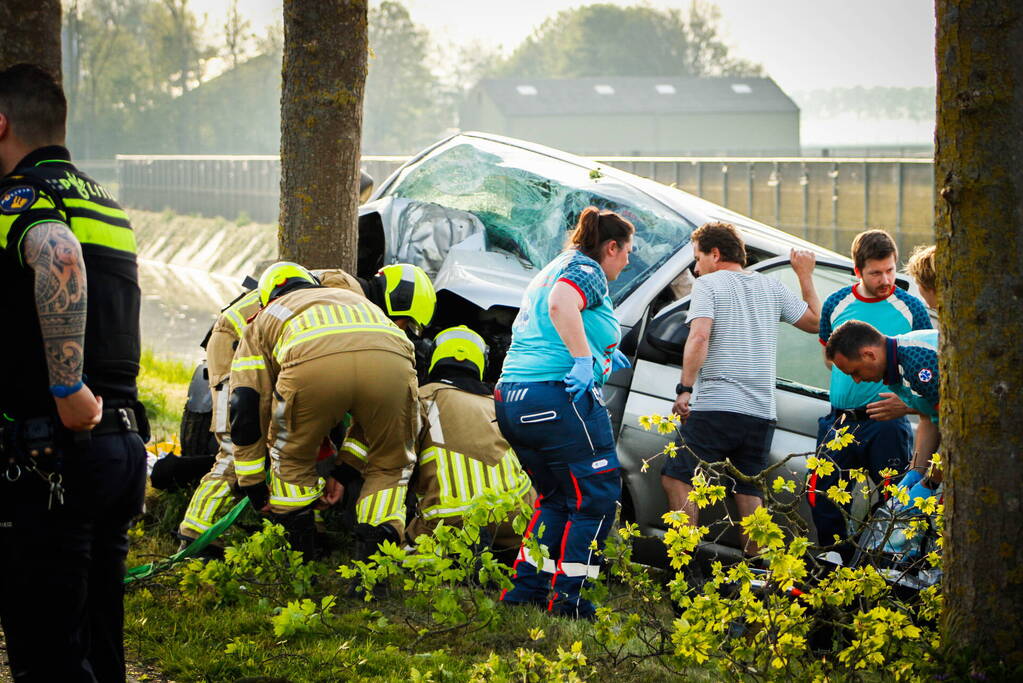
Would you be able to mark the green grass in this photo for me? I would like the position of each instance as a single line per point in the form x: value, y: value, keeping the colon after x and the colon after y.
x: 163, y: 386
x: 187, y: 637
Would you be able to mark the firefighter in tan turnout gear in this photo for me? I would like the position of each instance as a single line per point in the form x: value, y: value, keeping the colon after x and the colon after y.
x: 461, y: 451
x: 218, y: 488
x: 311, y: 355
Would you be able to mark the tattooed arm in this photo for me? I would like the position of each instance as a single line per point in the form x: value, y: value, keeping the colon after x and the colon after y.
x: 56, y: 257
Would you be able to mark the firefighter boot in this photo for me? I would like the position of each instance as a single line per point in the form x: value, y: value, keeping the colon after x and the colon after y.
x: 300, y: 530
x: 368, y: 538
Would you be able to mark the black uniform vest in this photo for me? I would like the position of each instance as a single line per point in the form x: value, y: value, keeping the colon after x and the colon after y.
x: 46, y: 187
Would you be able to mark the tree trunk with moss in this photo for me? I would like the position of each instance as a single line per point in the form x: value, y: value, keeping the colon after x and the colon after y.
x: 979, y: 176
x: 30, y: 32
x: 324, y: 75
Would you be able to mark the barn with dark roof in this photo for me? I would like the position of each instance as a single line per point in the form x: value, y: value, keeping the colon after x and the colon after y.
x: 639, y: 116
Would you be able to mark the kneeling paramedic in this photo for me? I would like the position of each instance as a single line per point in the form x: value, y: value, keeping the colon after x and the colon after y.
x: 461, y: 451
x: 218, y: 487
x: 908, y: 365
x: 73, y: 466
x: 311, y: 355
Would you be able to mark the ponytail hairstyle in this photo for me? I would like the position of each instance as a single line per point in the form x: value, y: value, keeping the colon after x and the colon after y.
x: 595, y: 228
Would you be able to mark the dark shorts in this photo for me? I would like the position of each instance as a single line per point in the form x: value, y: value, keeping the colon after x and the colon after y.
x: 714, y: 435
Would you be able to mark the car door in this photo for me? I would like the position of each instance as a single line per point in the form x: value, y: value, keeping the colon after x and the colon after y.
x: 801, y: 394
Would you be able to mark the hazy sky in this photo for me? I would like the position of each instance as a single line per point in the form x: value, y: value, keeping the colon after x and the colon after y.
x: 803, y: 44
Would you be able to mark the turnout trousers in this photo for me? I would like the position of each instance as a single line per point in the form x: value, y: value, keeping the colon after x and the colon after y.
x: 569, y: 453
x: 62, y: 569
x: 217, y: 490
x: 311, y: 397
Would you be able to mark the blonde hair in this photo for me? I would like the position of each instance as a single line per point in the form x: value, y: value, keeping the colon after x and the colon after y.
x: 921, y: 267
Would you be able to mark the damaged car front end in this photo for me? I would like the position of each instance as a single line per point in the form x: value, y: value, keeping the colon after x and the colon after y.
x: 483, y: 214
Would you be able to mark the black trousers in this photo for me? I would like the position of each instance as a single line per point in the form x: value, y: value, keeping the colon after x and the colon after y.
x: 62, y: 569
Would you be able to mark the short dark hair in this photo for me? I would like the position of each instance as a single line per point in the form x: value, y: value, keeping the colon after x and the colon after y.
x: 851, y: 338
x: 724, y: 237
x: 34, y: 104
x: 873, y: 245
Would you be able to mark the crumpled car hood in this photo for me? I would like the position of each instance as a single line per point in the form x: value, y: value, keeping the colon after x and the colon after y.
x: 485, y: 278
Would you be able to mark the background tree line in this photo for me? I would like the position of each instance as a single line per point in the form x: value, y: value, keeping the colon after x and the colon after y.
x: 148, y: 76
x: 142, y: 77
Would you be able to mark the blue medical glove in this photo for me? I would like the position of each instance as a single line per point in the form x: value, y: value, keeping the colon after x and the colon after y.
x: 579, y: 379
x: 911, y: 479
x: 919, y: 491
x: 619, y: 361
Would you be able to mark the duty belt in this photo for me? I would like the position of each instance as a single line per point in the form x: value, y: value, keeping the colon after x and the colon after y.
x: 34, y: 445
x: 851, y: 414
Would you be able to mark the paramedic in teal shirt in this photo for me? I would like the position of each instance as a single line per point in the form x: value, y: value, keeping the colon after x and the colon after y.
x: 908, y: 365
x: 883, y: 435
x: 551, y: 410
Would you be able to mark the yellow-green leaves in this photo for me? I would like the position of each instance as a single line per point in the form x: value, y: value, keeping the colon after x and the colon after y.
x: 704, y: 494
x: 763, y: 530
x: 781, y: 484
x: 841, y: 439
x: 662, y: 424
x: 839, y: 494
x: 821, y: 466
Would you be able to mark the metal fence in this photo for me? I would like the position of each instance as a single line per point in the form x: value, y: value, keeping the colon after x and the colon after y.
x: 826, y: 200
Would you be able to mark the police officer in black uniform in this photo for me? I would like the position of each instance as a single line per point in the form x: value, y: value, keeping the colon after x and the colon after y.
x: 73, y: 464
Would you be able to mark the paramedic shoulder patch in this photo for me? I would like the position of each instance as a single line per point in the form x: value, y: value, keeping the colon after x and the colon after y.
x: 17, y: 199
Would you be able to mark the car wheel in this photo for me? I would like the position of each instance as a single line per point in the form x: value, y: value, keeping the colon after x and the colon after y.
x: 196, y: 437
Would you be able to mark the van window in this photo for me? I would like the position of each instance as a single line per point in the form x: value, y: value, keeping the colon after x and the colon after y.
x: 800, y: 355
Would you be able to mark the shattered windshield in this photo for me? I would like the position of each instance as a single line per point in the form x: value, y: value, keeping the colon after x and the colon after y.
x: 529, y: 202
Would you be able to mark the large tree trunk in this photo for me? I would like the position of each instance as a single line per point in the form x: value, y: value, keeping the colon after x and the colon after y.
x: 30, y: 32
x: 321, y: 119
x: 979, y: 176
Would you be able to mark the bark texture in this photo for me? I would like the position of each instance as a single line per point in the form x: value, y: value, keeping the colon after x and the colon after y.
x: 979, y: 177
x: 324, y: 76
x: 30, y: 32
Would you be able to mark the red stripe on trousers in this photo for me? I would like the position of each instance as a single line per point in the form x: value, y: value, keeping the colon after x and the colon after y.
x: 554, y: 579
x: 529, y: 532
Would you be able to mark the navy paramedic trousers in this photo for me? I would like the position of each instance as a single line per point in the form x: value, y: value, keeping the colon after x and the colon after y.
x: 568, y: 451
x: 62, y: 569
x: 877, y: 445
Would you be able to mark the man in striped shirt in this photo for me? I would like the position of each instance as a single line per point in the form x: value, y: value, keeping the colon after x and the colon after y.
x: 730, y: 357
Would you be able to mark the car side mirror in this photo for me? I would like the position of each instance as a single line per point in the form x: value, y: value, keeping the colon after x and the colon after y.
x: 668, y: 333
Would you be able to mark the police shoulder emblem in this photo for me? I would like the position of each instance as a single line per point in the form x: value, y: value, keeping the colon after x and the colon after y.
x: 17, y: 199
x: 925, y: 375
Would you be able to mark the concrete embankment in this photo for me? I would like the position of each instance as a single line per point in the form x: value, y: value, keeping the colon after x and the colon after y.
x: 212, y: 245
x: 189, y: 268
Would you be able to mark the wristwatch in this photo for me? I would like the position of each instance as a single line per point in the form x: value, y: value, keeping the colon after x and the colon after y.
x: 682, y: 389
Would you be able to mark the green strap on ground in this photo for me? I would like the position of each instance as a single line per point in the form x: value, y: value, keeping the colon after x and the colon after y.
x: 195, y: 547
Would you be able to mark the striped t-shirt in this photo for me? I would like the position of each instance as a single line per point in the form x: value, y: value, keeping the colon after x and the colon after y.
x: 738, y: 375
